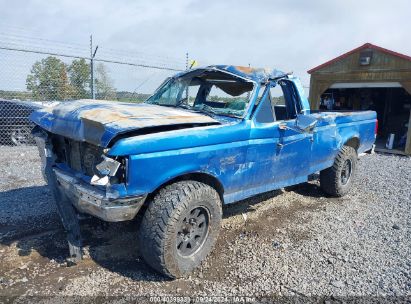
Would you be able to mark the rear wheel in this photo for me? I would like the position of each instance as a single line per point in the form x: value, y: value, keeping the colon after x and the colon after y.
x: 337, y: 180
x: 180, y: 227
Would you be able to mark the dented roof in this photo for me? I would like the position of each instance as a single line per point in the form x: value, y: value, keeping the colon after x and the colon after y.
x: 249, y: 73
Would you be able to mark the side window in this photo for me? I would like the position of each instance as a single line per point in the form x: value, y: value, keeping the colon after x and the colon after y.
x: 263, y: 106
x: 277, y: 96
x: 278, y: 102
x: 260, y: 95
x: 281, y: 103
x: 285, y: 100
x: 292, y: 99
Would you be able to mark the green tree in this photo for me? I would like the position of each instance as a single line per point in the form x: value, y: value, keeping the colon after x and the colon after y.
x: 104, y: 84
x: 48, y: 80
x: 79, y: 75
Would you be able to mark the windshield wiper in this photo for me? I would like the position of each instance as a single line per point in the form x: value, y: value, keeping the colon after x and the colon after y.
x: 164, y: 105
x: 205, y: 109
x: 184, y: 106
x: 230, y: 115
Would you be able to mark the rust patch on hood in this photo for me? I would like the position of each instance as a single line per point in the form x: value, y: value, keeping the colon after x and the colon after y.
x: 100, y: 121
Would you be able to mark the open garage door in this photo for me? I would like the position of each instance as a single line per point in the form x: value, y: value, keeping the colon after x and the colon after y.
x: 389, y: 99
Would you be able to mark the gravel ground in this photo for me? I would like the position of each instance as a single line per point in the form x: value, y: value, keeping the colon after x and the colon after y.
x: 290, y: 244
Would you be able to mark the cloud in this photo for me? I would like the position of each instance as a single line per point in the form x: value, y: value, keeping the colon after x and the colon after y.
x: 291, y: 35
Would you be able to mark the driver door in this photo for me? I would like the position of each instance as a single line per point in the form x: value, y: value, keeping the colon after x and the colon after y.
x: 279, y: 153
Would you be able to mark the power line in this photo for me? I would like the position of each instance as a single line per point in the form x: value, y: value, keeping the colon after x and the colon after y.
x: 82, y: 57
x: 41, y: 52
x: 21, y: 37
x: 139, y: 58
x: 22, y: 40
x: 133, y: 53
x: 139, y: 65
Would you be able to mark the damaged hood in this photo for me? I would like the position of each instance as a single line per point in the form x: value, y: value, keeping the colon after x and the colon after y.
x: 98, y: 122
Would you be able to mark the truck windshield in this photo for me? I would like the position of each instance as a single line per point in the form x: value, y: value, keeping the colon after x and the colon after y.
x: 210, y: 91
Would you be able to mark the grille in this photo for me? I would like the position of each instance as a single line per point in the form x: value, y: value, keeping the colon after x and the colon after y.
x: 79, y: 156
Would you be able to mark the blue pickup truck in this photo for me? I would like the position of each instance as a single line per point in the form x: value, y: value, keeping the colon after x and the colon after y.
x: 206, y: 137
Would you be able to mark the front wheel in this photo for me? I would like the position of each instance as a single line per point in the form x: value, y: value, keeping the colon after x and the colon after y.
x: 180, y: 227
x: 337, y: 180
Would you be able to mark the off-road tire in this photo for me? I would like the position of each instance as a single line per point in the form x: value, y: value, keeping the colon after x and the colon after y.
x: 159, y: 235
x: 331, y: 181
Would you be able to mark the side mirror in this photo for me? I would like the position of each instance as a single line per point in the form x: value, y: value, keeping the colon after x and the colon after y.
x: 306, y: 123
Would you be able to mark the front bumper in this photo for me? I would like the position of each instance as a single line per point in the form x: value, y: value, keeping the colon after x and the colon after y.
x: 91, y: 200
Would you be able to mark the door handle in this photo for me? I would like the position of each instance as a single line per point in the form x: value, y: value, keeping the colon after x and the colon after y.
x: 283, y: 126
x: 280, y: 145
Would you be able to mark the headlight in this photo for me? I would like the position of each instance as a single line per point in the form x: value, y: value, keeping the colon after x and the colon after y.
x: 108, y: 167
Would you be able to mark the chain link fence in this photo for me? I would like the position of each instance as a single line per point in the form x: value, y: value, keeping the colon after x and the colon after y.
x: 31, y: 78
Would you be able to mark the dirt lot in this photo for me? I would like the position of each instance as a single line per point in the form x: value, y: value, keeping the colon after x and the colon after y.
x: 289, y: 244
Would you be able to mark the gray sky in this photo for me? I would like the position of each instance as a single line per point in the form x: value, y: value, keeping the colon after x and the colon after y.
x: 290, y: 35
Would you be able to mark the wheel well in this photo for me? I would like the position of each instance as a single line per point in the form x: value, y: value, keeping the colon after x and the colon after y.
x: 199, y: 177
x: 353, y: 142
